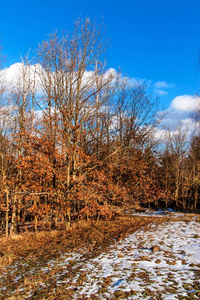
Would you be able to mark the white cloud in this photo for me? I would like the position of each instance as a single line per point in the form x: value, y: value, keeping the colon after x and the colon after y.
x: 160, y: 92
x: 160, y: 85
x: 131, y: 82
x: 179, y: 112
x: 12, y: 77
x: 163, y: 85
x: 185, y: 103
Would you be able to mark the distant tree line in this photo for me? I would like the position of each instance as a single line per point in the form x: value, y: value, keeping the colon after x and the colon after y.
x: 78, y: 141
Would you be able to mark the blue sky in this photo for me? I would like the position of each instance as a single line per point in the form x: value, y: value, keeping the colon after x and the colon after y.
x: 155, y: 40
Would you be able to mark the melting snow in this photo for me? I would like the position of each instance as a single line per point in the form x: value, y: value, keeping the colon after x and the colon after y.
x: 132, y: 267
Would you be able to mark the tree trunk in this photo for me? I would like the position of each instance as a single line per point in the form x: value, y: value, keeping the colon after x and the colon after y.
x: 7, y: 212
x: 14, y: 221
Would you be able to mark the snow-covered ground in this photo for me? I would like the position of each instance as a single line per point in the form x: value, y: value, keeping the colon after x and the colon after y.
x: 156, y: 262
x: 163, y: 260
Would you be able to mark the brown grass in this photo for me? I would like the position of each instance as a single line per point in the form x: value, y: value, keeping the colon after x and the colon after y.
x: 94, y: 237
x: 33, y: 251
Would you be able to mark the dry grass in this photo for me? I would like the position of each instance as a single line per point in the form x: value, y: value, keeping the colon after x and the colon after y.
x: 90, y: 235
x: 32, y: 251
x: 47, y: 244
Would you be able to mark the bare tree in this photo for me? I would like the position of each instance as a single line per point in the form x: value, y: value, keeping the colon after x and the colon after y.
x: 177, y: 147
x: 73, y: 82
x: 21, y: 96
x: 136, y: 115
